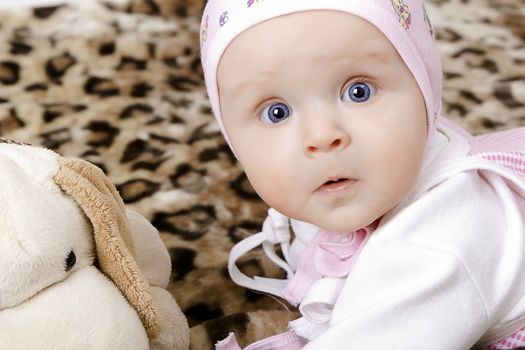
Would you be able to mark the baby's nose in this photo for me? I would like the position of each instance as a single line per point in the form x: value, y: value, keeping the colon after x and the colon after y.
x: 324, y: 146
x: 325, y: 139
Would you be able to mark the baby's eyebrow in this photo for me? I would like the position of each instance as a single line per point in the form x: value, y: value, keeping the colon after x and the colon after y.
x: 253, y: 80
x: 240, y: 88
x: 365, y: 57
x: 378, y: 56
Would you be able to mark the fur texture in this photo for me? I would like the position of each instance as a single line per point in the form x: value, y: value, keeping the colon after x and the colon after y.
x: 103, y: 206
x: 62, y: 220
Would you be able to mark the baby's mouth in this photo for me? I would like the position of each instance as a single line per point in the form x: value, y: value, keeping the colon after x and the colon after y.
x: 337, y: 184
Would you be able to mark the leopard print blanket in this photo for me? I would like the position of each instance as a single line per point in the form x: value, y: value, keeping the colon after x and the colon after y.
x: 119, y: 83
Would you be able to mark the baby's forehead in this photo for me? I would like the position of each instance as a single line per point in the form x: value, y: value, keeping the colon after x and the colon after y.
x: 344, y: 37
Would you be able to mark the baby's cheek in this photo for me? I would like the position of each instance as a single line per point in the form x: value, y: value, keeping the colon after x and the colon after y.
x: 399, y: 182
x: 272, y: 182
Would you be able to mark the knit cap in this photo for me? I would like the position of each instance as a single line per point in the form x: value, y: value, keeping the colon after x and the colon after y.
x: 404, y: 22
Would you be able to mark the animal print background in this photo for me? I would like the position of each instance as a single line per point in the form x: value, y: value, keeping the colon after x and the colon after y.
x: 120, y: 85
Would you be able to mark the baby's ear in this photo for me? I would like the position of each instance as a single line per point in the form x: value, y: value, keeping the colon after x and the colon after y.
x: 115, y: 248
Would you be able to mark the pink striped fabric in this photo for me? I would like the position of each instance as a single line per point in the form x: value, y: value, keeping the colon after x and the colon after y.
x: 506, y: 148
x: 514, y: 161
x: 515, y: 341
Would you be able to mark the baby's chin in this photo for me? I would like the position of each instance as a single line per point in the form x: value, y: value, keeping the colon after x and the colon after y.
x: 343, y: 228
x: 340, y: 223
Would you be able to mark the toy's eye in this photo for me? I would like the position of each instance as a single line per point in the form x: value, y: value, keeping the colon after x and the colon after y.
x: 275, y: 113
x: 358, y: 92
x: 70, y: 261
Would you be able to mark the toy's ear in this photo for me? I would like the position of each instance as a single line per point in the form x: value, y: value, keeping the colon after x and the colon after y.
x: 99, y: 199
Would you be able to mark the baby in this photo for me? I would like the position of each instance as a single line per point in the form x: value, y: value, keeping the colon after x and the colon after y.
x: 408, y: 232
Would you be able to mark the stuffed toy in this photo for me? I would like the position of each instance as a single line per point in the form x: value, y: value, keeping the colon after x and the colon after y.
x: 78, y: 270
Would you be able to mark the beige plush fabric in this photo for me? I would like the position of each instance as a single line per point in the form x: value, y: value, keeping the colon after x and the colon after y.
x: 114, y: 245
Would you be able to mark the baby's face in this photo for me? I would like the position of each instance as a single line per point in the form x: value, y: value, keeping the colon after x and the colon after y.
x: 325, y: 117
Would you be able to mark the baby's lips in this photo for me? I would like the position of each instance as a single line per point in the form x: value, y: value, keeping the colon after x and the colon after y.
x: 335, y: 184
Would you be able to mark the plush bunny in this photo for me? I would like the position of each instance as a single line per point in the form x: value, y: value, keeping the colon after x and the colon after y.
x: 78, y: 270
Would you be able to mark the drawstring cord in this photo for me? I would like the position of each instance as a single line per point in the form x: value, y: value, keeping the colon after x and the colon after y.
x: 275, y: 230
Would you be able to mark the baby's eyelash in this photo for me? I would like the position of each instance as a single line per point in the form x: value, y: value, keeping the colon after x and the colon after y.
x: 360, y: 79
x: 260, y: 106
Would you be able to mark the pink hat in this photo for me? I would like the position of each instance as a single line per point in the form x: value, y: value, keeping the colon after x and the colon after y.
x: 404, y: 22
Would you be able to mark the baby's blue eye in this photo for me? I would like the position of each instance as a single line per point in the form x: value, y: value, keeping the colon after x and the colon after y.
x: 358, y: 92
x: 275, y: 113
